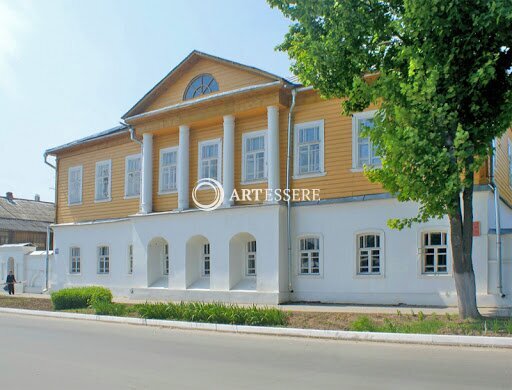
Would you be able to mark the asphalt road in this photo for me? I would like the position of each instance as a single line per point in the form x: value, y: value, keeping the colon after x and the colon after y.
x: 48, y: 353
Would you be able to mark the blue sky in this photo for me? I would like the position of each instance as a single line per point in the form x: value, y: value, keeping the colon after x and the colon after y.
x: 71, y: 68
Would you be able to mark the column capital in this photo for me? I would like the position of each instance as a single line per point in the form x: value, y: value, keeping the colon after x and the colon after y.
x: 272, y: 109
x: 229, y: 118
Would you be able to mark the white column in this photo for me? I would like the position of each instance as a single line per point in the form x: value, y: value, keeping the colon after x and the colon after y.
x: 228, y: 150
x: 147, y: 174
x: 273, y: 147
x: 183, y: 167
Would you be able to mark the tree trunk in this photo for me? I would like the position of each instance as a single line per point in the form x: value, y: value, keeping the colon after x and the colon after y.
x: 461, y: 232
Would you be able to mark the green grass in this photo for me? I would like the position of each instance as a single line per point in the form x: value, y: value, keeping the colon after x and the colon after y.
x: 213, y: 313
x: 433, y: 324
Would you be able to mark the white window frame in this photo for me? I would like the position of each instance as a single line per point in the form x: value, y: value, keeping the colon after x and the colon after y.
x: 382, y: 252
x: 245, y: 137
x: 421, y: 253
x: 296, y: 168
x: 247, y: 253
x: 204, y: 257
x: 509, y: 153
x: 103, y: 258
x: 109, y: 197
x: 216, y: 141
x: 356, y: 167
x: 126, y: 183
x: 161, y: 190
x: 75, y: 260
x: 130, y: 259
x: 320, y: 256
x: 78, y: 168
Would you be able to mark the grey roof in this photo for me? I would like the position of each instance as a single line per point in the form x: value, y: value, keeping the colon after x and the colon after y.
x: 102, y: 134
x: 25, y: 215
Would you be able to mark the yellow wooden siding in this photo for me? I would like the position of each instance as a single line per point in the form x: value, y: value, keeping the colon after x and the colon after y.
x: 163, y: 202
x: 502, y: 176
x: 228, y: 78
x: 115, y: 150
x: 339, y: 180
x: 197, y: 135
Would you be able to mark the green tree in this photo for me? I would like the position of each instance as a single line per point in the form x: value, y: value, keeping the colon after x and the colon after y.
x: 443, y: 82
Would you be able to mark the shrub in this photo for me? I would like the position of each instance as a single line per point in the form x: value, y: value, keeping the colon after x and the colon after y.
x: 363, y: 324
x: 104, y: 308
x: 79, y: 297
x: 213, y: 313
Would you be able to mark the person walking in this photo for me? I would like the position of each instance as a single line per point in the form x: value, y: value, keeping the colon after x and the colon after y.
x: 10, y: 282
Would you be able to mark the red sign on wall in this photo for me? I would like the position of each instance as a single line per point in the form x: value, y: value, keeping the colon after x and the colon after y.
x: 476, y: 228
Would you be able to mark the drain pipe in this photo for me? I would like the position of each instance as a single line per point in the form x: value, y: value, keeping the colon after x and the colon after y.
x: 494, y: 187
x: 133, y: 137
x: 48, y: 228
x: 47, y: 263
x: 288, y: 201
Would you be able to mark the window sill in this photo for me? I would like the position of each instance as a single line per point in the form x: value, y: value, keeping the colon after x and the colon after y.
x: 434, y: 275
x: 360, y: 169
x: 309, y: 175
x: 251, y: 182
x: 310, y: 276
x: 170, y: 192
x: 74, y: 274
x: 103, y: 274
x: 131, y: 196
x: 102, y: 200
x: 75, y: 204
x: 369, y: 276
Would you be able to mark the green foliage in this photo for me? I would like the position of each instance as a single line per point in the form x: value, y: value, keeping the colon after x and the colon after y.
x: 106, y: 308
x: 443, y: 86
x: 213, y: 313
x: 80, y: 297
x: 363, y: 324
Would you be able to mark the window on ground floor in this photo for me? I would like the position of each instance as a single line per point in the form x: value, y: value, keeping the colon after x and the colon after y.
x: 130, y: 259
x: 206, y: 260
x: 369, y: 254
x: 74, y: 261
x: 103, y: 260
x: 434, y: 252
x: 309, y: 256
x: 251, y: 258
x: 166, y: 259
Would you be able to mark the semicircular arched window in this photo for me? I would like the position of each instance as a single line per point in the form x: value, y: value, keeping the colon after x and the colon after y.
x: 201, y: 85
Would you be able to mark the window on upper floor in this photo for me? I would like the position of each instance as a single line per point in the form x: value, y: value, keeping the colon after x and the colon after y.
x: 254, y: 156
x: 132, y: 175
x: 168, y: 170
x: 74, y: 260
x: 369, y: 254
x: 309, y: 149
x: 75, y: 185
x: 103, y: 180
x: 201, y: 85
x: 364, y: 152
x: 434, y: 252
x: 210, y: 153
x: 309, y: 255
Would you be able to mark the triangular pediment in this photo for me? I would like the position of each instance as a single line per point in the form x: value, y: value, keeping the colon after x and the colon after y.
x: 228, y: 76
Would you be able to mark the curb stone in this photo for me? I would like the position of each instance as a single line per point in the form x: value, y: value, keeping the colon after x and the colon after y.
x: 404, y: 338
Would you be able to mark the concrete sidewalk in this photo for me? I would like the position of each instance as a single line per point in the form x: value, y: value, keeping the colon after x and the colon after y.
x: 337, y: 308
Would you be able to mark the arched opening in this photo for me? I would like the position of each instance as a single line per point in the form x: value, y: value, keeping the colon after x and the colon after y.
x: 243, y: 262
x: 158, y: 263
x: 197, y: 267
